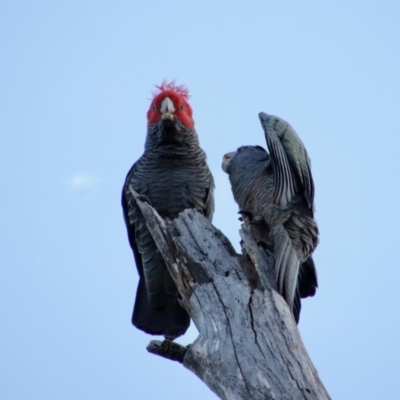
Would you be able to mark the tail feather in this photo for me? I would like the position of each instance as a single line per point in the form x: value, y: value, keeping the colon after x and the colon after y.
x: 308, y: 279
x: 296, y: 305
x: 307, y: 284
x: 286, y: 265
x: 170, y: 323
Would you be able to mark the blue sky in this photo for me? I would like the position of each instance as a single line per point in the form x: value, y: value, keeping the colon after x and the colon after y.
x: 75, y: 83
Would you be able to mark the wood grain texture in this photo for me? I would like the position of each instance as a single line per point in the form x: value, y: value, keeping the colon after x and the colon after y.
x: 248, y: 346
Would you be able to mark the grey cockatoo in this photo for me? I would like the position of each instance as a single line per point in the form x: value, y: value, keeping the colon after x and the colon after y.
x: 172, y: 174
x: 277, y: 189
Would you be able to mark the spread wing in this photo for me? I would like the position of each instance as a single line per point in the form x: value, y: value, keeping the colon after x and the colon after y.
x: 290, y: 161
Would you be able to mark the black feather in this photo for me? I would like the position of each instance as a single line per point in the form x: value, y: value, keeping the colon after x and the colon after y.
x: 173, y: 174
x: 272, y: 186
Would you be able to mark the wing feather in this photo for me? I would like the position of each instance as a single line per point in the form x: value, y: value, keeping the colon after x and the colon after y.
x: 292, y: 165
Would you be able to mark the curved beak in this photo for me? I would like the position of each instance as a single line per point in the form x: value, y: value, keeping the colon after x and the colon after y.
x: 226, y: 159
x: 167, y: 109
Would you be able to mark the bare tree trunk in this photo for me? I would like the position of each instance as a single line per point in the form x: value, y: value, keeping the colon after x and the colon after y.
x: 248, y: 345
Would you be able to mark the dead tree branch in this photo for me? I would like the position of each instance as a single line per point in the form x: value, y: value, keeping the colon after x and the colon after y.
x: 248, y: 346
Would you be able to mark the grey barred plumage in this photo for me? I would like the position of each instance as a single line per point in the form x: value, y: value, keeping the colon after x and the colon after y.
x: 277, y: 189
x: 173, y: 175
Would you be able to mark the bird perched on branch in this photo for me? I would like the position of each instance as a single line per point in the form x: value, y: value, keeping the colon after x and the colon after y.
x: 277, y: 189
x: 172, y: 175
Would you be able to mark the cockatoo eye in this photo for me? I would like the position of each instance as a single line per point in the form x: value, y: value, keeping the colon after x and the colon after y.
x: 154, y: 108
x: 181, y: 107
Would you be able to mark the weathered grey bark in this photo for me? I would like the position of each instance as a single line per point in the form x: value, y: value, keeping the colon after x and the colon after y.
x: 248, y: 345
